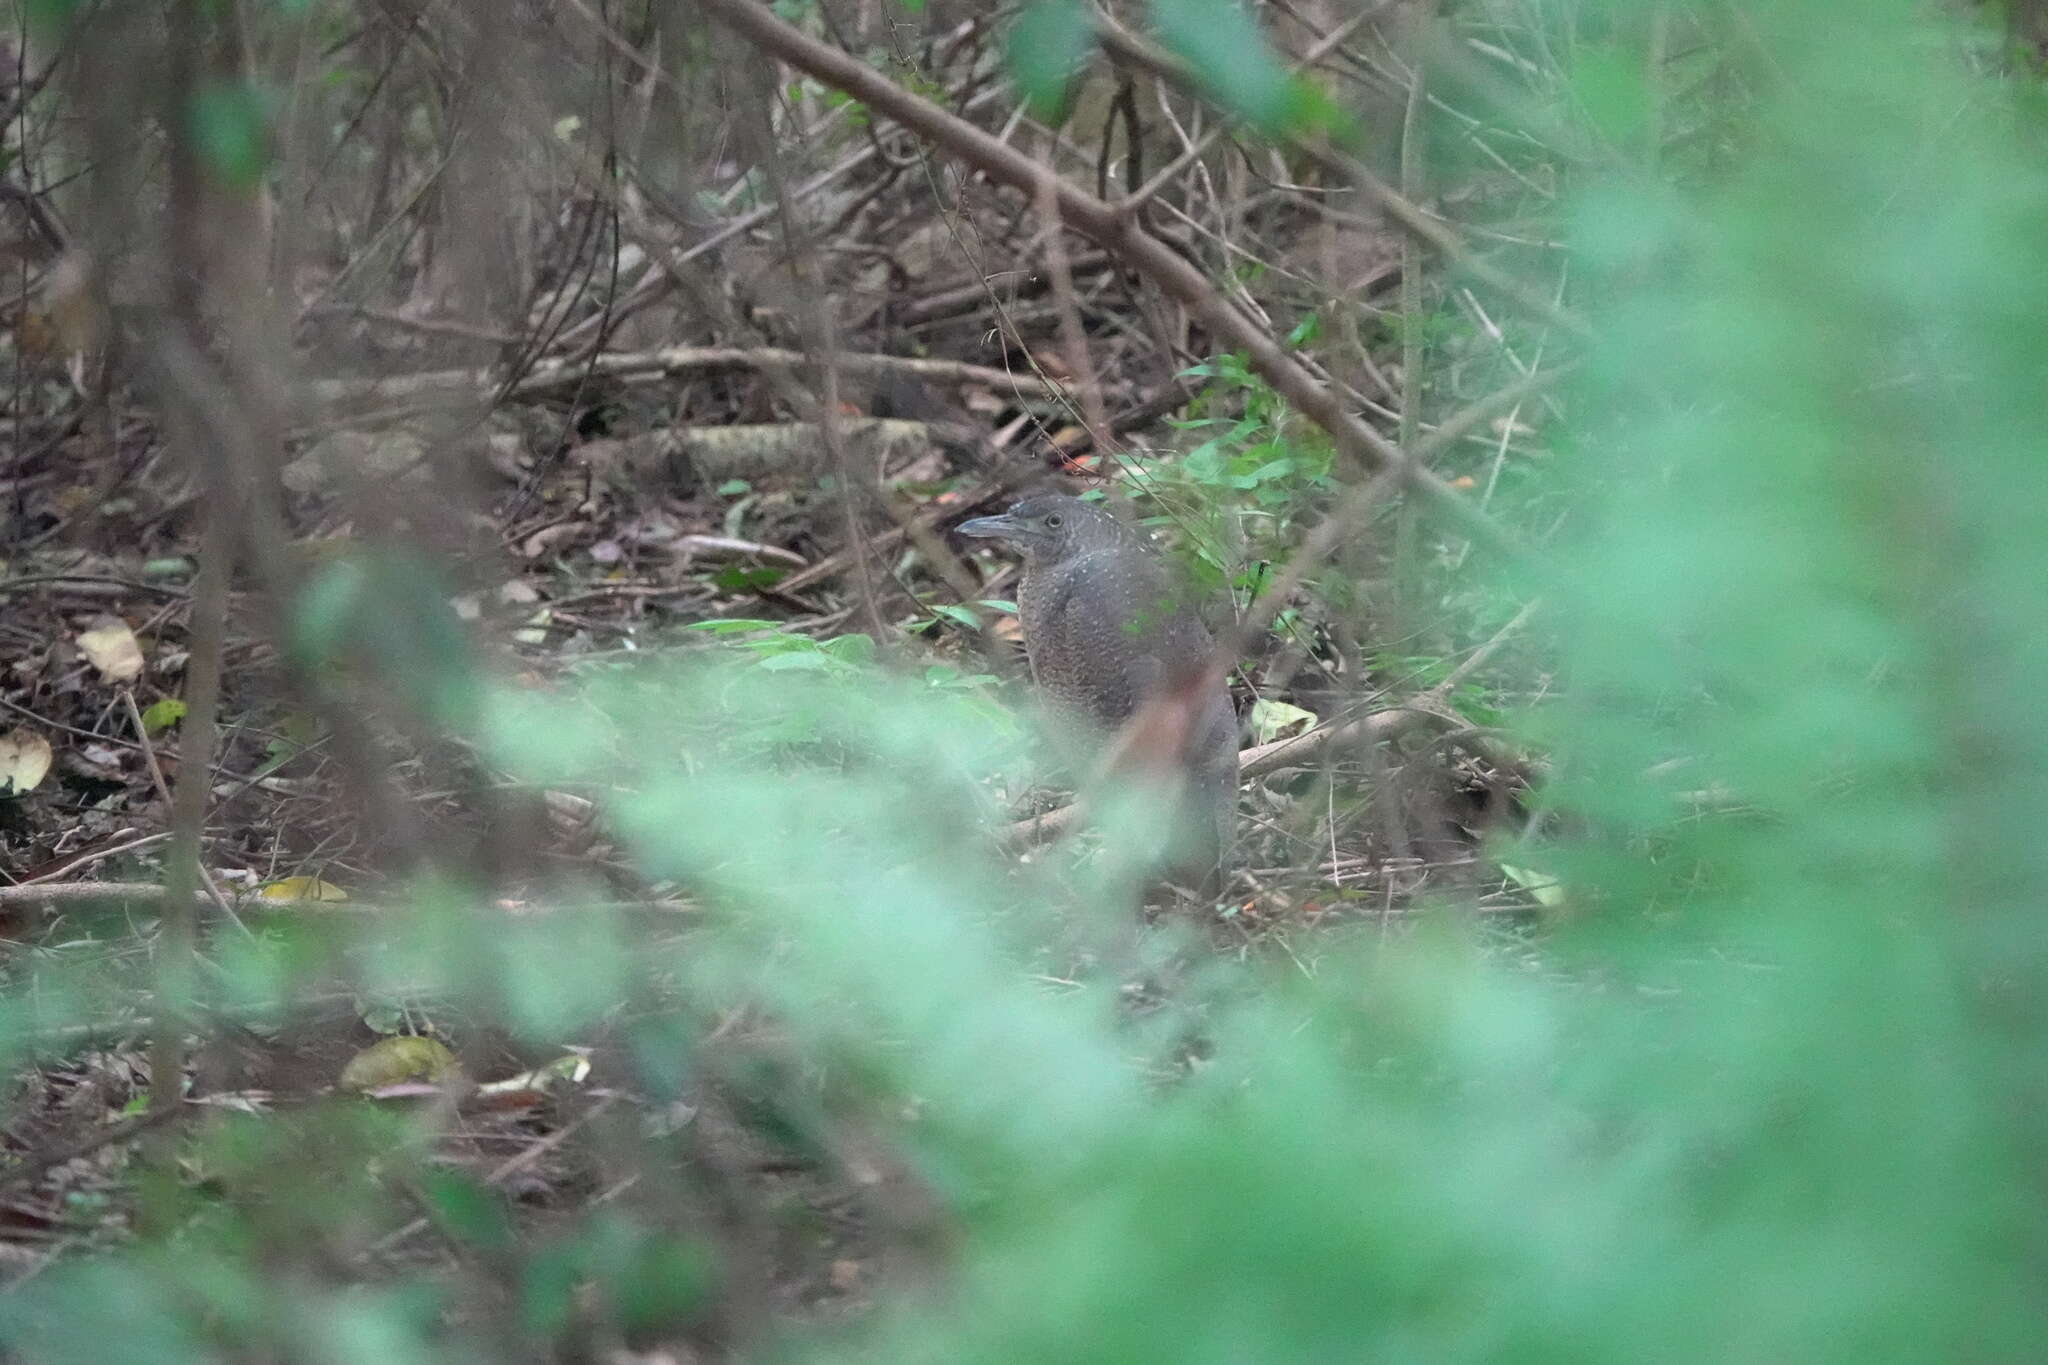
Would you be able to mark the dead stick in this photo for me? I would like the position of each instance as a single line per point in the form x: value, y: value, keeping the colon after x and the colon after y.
x: 1253, y: 762
x: 180, y: 949
x: 156, y: 775
x: 1123, y: 45
x: 551, y: 376
x: 153, y: 894
x: 1124, y: 236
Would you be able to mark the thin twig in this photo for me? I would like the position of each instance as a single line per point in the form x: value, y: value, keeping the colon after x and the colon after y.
x: 1146, y: 254
x: 1121, y: 44
x: 511, y: 1166
x: 549, y: 377
x: 163, y: 790
x: 153, y: 894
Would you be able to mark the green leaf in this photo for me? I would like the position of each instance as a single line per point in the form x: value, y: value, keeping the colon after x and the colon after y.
x: 746, y: 578
x: 795, y: 661
x: 853, y: 649
x: 1611, y: 90
x: 730, y: 626
x: 325, y: 611
x: 387, y: 612
x: 1047, y: 46
x: 1231, y: 58
x: 230, y: 130
x: 161, y: 715
x: 467, y: 1210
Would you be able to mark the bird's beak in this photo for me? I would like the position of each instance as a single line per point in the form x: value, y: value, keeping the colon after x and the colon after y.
x: 1004, y: 527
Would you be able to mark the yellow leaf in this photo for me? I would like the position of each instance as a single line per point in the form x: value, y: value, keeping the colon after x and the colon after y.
x: 391, y: 1061
x: 111, y: 648
x: 302, y: 889
x: 24, y: 759
x: 1547, y: 891
x: 1273, y: 720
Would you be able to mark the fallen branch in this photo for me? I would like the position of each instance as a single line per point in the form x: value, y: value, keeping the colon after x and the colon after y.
x: 152, y: 895
x: 1256, y: 761
x: 551, y: 377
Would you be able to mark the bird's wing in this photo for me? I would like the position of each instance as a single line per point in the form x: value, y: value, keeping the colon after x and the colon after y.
x: 1110, y: 630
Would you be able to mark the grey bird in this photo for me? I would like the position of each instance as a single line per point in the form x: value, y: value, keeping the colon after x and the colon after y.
x: 1107, y: 629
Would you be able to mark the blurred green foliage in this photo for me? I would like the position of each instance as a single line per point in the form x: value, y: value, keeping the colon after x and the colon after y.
x: 1045, y: 49
x: 1772, y: 1091
x: 231, y: 130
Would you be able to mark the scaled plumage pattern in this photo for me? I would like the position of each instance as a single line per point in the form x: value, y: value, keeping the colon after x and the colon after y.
x: 1107, y: 629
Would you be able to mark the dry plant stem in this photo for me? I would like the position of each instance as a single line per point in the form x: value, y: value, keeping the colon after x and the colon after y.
x: 1309, y: 748
x: 1123, y: 45
x: 548, y: 378
x: 1344, y: 520
x: 1073, y: 340
x: 87, y: 859
x: 156, y: 776
x: 921, y: 524
x: 1412, y: 172
x: 506, y: 1169
x: 152, y: 894
x: 217, y: 413
x: 1322, y: 48
x: 1144, y: 253
x: 821, y: 347
x: 178, y: 949
x: 1253, y: 762
x: 178, y: 946
x: 1479, y: 656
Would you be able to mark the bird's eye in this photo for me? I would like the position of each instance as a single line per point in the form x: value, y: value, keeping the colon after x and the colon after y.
x: 1052, y: 520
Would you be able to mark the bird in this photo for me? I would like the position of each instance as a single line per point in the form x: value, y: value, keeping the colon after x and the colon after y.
x: 1108, y: 629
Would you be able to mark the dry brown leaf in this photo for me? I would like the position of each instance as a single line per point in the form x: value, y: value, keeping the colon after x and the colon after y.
x: 110, y: 646
x: 24, y: 760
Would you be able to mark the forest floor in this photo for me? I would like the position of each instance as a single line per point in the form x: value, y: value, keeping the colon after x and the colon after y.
x: 597, y: 508
x: 596, y: 550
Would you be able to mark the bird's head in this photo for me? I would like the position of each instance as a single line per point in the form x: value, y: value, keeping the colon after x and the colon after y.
x: 1047, y: 527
